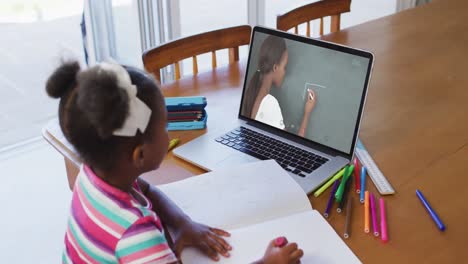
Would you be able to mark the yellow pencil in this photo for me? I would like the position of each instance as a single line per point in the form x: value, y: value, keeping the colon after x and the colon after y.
x: 172, y: 144
x: 329, y: 182
x: 366, y: 212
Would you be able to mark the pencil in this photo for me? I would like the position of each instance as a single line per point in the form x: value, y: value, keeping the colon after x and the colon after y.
x: 330, y: 200
x: 383, y: 221
x: 374, y: 214
x: 431, y: 211
x: 346, y: 176
x: 357, y: 177
x: 363, y: 183
x: 366, y: 212
x: 172, y: 144
x: 348, y: 217
x: 345, y: 195
x: 329, y: 182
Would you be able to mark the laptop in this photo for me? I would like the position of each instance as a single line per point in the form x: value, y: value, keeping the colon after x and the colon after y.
x: 301, y: 105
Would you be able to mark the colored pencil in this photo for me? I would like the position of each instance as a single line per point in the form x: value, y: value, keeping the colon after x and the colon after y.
x: 363, y: 183
x: 330, y: 200
x: 329, y: 182
x: 357, y: 179
x: 383, y: 221
x: 374, y: 214
x: 346, y: 176
x: 366, y: 212
x: 431, y: 211
x: 348, y: 218
x: 346, y: 192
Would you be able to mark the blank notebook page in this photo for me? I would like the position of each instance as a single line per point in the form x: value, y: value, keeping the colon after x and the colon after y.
x: 312, y: 233
x: 237, y: 197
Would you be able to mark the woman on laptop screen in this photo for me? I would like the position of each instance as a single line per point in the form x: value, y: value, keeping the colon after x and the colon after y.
x: 259, y: 104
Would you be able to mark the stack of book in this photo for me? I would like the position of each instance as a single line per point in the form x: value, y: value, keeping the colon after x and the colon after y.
x: 186, y: 113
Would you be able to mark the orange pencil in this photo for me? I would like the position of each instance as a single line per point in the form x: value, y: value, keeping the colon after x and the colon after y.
x: 366, y: 212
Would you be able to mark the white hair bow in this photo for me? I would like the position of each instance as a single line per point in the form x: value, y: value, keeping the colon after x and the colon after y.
x: 138, y: 112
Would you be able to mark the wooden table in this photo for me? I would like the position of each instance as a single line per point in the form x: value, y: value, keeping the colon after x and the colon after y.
x: 415, y: 127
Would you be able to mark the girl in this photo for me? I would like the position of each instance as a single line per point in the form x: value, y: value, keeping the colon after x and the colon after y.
x: 115, y: 118
x: 263, y: 107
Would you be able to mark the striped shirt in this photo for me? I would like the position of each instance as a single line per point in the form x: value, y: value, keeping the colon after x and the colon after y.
x: 107, y: 225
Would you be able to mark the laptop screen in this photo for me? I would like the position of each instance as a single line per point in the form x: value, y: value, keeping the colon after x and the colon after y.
x: 309, y: 88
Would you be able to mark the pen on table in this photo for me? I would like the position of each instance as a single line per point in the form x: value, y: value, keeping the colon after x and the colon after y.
x: 357, y: 176
x: 346, y: 191
x: 373, y: 214
x: 383, y: 221
x: 431, y: 211
x: 366, y: 211
x: 329, y: 182
x: 173, y: 143
x: 363, y: 183
x: 330, y: 200
x: 346, y: 176
x: 348, y: 217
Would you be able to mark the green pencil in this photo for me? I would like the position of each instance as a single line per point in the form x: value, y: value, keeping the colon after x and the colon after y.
x: 329, y: 182
x: 340, y: 190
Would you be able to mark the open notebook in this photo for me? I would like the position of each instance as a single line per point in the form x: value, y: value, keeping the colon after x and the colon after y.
x: 256, y: 203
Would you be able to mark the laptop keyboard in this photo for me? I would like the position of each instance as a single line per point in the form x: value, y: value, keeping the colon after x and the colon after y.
x: 291, y: 158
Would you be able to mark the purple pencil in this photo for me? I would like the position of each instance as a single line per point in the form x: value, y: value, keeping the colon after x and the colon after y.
x: 374, y: 215
x: 330, y: 200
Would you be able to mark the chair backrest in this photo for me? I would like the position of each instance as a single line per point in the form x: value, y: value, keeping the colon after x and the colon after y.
x: 316, y: 10
x: 175, y: 51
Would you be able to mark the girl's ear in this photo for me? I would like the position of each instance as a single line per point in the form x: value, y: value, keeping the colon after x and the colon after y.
x: 138, y: 157
x: 275, y: 67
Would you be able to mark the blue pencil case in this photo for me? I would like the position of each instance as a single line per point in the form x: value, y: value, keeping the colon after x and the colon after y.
x: 192, y: 103
x: 185, y: 103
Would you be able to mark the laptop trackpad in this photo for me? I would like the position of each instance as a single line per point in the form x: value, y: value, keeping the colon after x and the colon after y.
x: 235, y: 159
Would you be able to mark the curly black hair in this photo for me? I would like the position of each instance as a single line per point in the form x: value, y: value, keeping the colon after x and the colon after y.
x: 92, y: 107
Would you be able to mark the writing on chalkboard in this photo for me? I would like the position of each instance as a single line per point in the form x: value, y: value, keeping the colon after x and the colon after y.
x: 311, y: 86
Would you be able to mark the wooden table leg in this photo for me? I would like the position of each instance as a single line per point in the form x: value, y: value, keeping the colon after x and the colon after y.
x: 72, y: 172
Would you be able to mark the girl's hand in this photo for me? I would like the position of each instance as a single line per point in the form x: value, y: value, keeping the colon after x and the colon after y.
x: 310, y: 103
x: 288, y: 254
x: 207, y: 239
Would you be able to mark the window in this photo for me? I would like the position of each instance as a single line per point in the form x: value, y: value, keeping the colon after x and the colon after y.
x: 35, y: 36
x: 206, y: 15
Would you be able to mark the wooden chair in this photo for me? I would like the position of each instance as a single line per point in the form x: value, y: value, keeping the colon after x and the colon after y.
x: 316, y: 10
x: 175, y: 51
